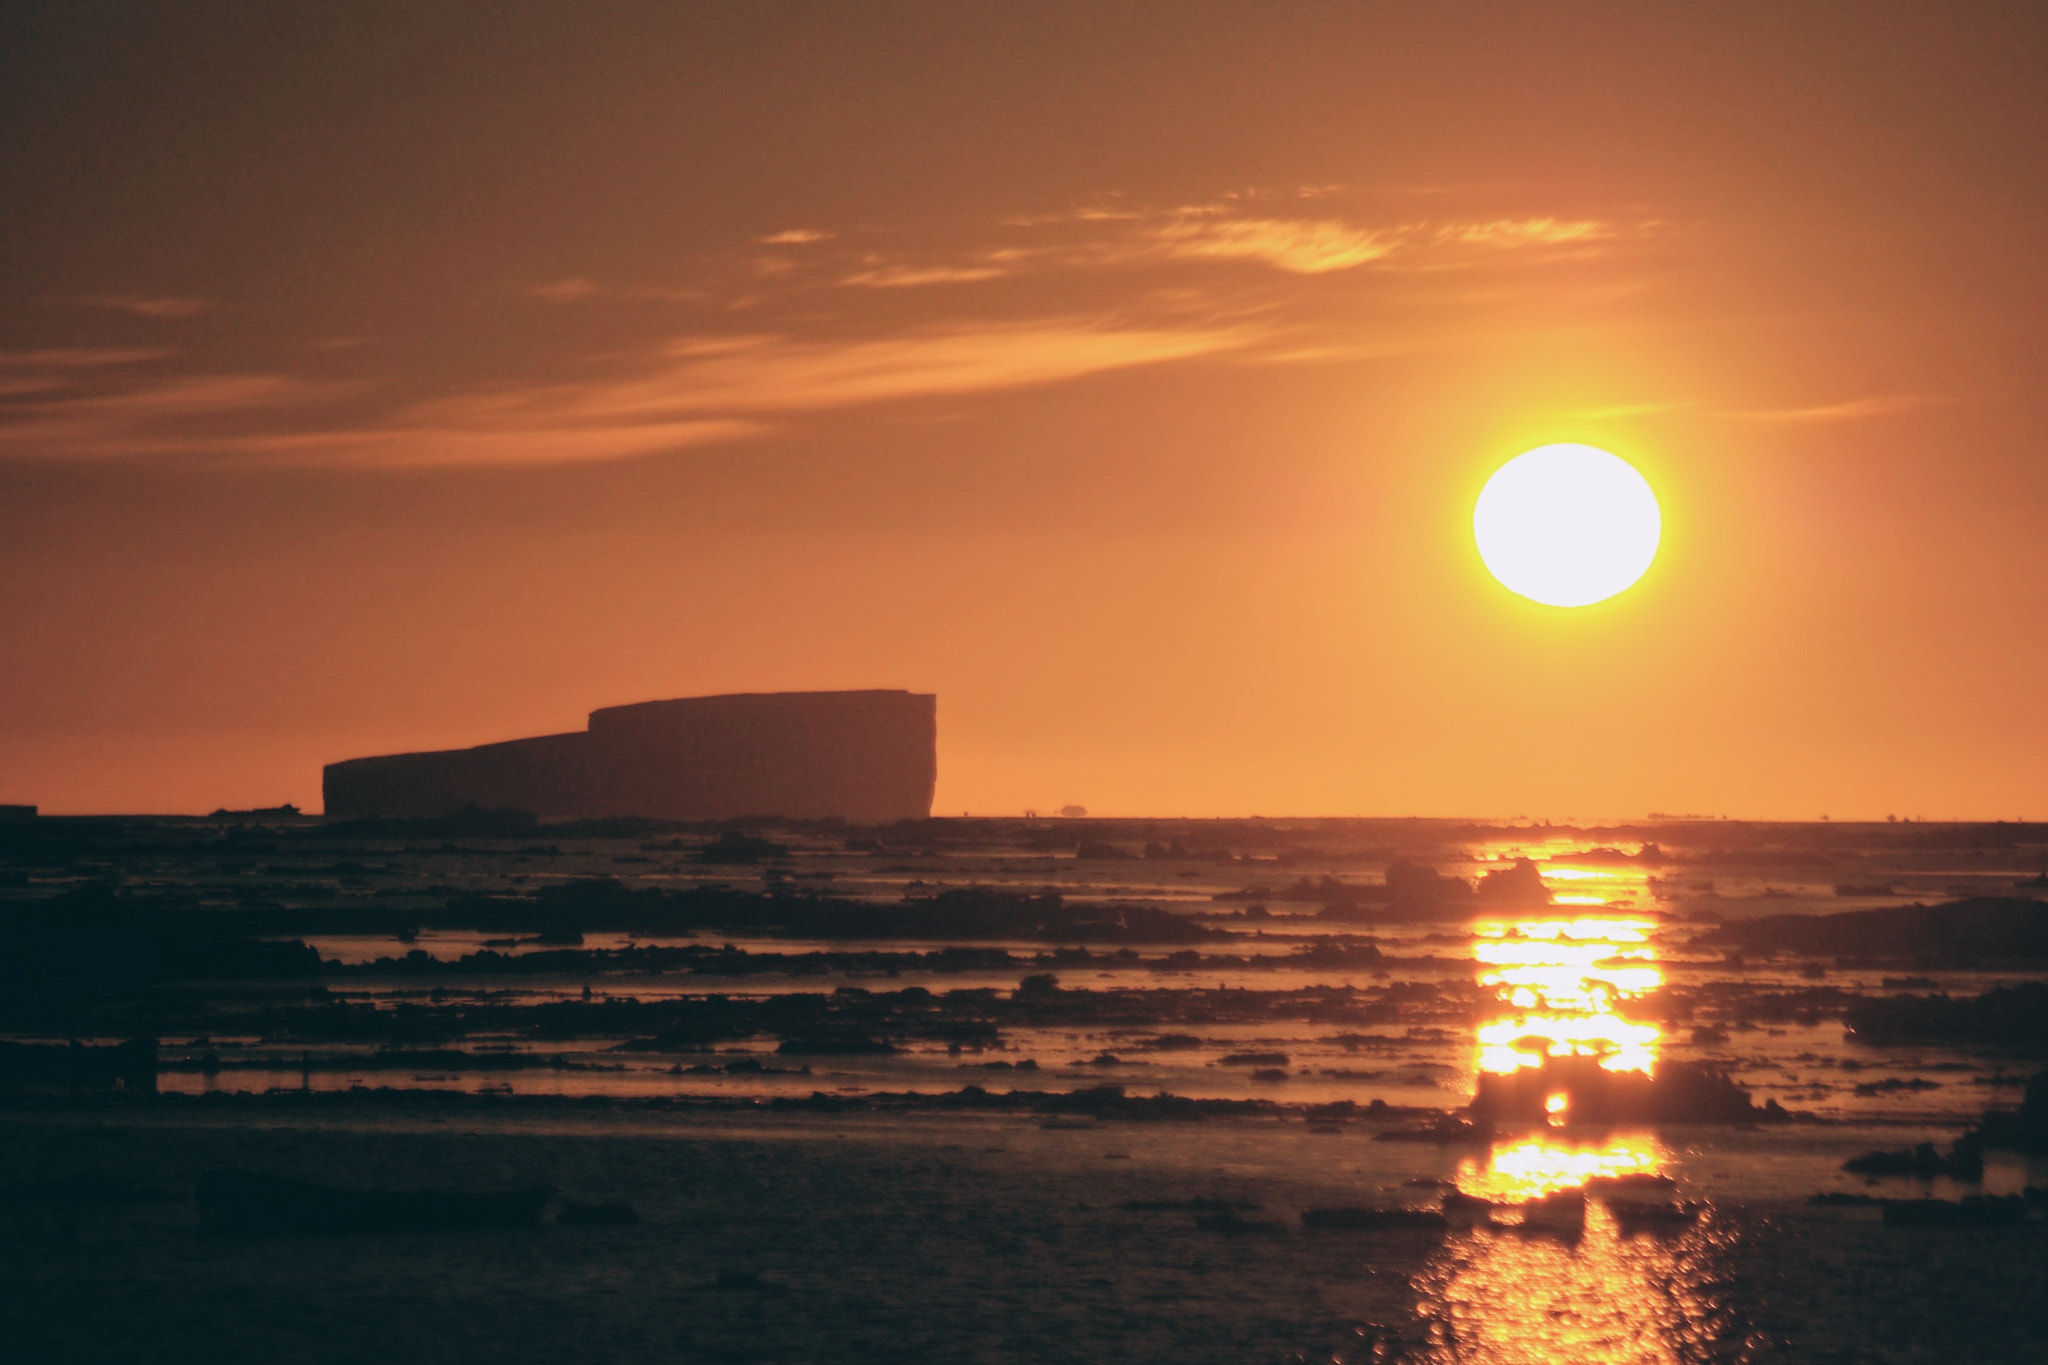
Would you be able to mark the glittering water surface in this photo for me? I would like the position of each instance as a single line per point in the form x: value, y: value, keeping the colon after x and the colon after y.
x: 1561, y: 1279
x: 1610, y: 965
x: 1513, y: 1298
x: 888, y: 1218
x: 1564, y: 984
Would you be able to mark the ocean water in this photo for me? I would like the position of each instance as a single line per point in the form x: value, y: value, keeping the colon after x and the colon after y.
x: 804, y: 1202
x: 972, y: 1238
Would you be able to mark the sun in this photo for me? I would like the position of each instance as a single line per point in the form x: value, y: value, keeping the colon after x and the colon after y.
x: 1567, y: 525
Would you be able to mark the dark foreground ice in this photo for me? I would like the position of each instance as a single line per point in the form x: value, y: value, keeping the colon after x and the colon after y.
x: 969, y: 1237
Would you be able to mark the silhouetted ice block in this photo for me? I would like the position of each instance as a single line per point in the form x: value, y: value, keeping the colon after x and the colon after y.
x: 2024, y: 1131
x: 1519, y: 886
x: 77, y: 1066
x: 1974, y: 932
x: 1680, y: 1092
x: 2004, y: 1016
x: 287, y: 811
x: 1560, y: 1214
x: 90, y: 943
x: 1965, y: 1162
x: 869, y: 757
x: 1637, y: 1217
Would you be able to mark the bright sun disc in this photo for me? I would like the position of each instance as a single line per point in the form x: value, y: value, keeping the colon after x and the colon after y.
x: 1567, y: 525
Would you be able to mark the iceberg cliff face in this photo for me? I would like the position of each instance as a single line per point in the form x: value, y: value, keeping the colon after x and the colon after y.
x: 869, y: 757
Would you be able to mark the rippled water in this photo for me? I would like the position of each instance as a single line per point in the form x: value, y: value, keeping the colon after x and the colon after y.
x: 907, y: 1234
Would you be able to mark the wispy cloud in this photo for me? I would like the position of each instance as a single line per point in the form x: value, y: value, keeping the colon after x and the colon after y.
x: 1303, y: 246
x: 81, y: 357
x: 757, y: 375
x: 912, y: 276
x: 690, y: 391
x: 1308, y: 233
x: 204, y: 395
x: 417, y: 445
x: 1619, y: 410
x: 275, y: 419
x: 1113, y: 285
x: 163, y: 308
x: 576, y: 289
x: 1091, y: 213
x: 1878, y: 405
x: 1514, y: 232
x: 159, y: 416
x: 564, y: 291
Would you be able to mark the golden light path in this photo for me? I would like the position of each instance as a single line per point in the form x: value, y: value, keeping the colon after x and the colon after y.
x: 1520, y: 1170
x: 1592, y: 1295
x: 1495, y: 1298
x: 1565, y: 981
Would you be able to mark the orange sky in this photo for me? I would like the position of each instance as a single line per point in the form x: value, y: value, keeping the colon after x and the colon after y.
x: 373, y: 379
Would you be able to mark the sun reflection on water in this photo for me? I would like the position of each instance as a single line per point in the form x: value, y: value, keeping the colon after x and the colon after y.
x: 1498, y: 1298
x: 1539, y: 1286
x: 1523, y: 1169
x: 1565, y: 983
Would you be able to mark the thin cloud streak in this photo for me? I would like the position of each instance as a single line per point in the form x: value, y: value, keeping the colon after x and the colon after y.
x: 693, y: 391
x: 775, y: 374
x: 1243, y: 228
x: 910, y: 276
x: 576, y: 289
x: 81, y: 357
x: 565, y: 291
x: 1880, y: 405
x: 1299, y: 246
x: 483, y: 446
x: 1514, y: 232
x: 1621, y: 410
x: 1250, y: 229
x: 172, y: 416
x: 157, y: 307
x: 698, y: 389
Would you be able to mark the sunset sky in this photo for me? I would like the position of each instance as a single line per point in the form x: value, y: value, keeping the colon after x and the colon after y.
x: 393, y: 377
